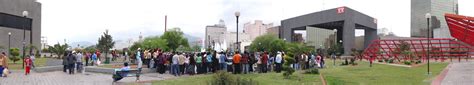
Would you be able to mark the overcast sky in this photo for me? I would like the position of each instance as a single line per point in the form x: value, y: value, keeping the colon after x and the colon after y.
x: 85, y: 20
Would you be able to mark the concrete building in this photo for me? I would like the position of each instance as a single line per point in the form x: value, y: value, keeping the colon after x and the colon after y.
x: 12, y: 21
x: 215, y: 34
x: 256, y: 29
x: 437, y: 8
x: 344, y: 19
x: 275, y: 31
x: 229, y: 41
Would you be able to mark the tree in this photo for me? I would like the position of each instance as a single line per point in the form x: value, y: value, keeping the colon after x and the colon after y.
x: 105, y: 43
x: 196, y: 48
x: 14, y: 54
x: 153, y: 43
x: 268, y: 43
x: 404, y: 50
x: 90, y: 49
x: 175, y: 38
x: 58, y: 49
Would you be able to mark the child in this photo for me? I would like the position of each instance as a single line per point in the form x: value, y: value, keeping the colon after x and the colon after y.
x: 28, y: 63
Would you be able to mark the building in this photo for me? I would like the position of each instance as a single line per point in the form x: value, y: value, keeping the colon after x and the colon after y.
x: 44, y: 42
x: 12, y: 23
x: 256, y: 29
x: 344, y: 19
x: 275, y: 31
x: 244, y: 40
x: 437, y: 9
x: 215, y: 34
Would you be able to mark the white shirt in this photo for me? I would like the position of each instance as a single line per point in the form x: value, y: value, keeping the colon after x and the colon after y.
x: 278, y: 58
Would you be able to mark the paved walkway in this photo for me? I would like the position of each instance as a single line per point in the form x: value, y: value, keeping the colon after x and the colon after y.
x: 460, y: 73
x: 61, y: 78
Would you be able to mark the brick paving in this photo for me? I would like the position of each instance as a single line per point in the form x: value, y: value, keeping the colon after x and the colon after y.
x: 61, y: 78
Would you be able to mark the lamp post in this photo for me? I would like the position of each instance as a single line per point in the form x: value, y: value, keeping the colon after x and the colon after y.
x: 428, y: 16
x: 335, y: 36
x: 9, y: 41
x: 25, y: 15
x: 237, y: 14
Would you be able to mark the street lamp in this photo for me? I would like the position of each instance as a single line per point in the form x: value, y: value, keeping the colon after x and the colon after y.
x: 335, y: 36
x: 9, y: 39
x: 25, y: 15
x: 428, y: 16
x: 237, y: 14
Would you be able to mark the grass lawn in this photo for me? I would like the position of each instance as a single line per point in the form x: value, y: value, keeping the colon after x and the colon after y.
x: 39, y: 62
x: 379, y: 74
x: 262, y: 79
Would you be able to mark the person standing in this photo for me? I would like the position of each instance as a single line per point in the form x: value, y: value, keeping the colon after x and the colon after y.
x: 181, y: 61
x: 215, y: 62
x: 175, y: 65
x: 199, y: 63
x: 32, y: 57
x: 71, y: 59
x: 94, y: 59
x: 28, y: 62
x: 161, y: 63
x: 139, y: 60
x: 245, y: 62
x: 3, y: 63
x: 222, y: 63
x: 209, y: 62
x: 236, y: 60
x: 79, y: 61
x: 65, y: 63
x: 278, y: 62
x: 264, y: 60
x: 192, y: 64
x: 87, y: 57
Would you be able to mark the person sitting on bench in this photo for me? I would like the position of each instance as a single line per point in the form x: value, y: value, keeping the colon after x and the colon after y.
x: 123, y: 73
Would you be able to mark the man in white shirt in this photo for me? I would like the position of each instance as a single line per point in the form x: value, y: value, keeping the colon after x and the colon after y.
x: 278, y: 62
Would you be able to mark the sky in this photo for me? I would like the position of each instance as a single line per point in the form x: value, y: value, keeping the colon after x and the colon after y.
x: 85, y: 20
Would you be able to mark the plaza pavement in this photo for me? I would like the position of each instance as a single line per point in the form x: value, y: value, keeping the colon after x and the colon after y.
x: 61, y: 78
x: 460, y: 73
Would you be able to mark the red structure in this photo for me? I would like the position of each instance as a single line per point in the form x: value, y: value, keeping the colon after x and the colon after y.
x: 461, y: 28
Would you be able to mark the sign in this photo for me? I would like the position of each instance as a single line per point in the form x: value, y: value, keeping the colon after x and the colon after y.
x: 340, y: 10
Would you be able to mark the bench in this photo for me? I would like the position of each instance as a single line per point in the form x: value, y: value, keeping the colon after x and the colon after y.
x: 130, y: 73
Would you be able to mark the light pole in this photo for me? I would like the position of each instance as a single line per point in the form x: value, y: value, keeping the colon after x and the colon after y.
x: 25, y: 15
x: 335, y: 36
x: 428, y: 16
x: 9, y: 41
x: 237, y: 14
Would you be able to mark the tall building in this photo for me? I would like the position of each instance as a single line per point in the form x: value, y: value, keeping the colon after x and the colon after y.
x: 256, y: 29
x: 22, y: 29
x: 436, y: 8
x: 215, y: 34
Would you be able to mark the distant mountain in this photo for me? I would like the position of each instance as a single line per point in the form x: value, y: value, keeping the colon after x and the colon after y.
x: 81, y: 44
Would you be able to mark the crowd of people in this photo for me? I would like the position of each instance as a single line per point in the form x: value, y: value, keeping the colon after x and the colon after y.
x: 180, y: 63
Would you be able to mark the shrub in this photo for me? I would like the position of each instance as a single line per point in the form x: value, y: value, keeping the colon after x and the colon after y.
x: 380, y: 60
x: 418, y: 62
x: 14, y: 54
x: 407, y: 62
x: 225, y: 78
x: 390, y: 60
x: 312, y: 71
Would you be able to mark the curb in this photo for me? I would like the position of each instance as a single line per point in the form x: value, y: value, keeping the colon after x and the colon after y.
x: 441, y: 76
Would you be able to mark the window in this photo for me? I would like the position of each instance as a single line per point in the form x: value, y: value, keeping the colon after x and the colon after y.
x: 13, y: 21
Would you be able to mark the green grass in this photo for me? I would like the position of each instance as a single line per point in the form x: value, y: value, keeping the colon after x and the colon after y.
x: 360, y: 74
x: 39, y: 62
x: 379, y: 74
x: 262, y: 79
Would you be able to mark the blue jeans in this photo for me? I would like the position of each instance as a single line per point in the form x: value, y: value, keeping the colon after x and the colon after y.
x: 1, y: 71
x: 223, y: 66
x: 296, y: 66
x: 245, y: 68
x: 175, y: 69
